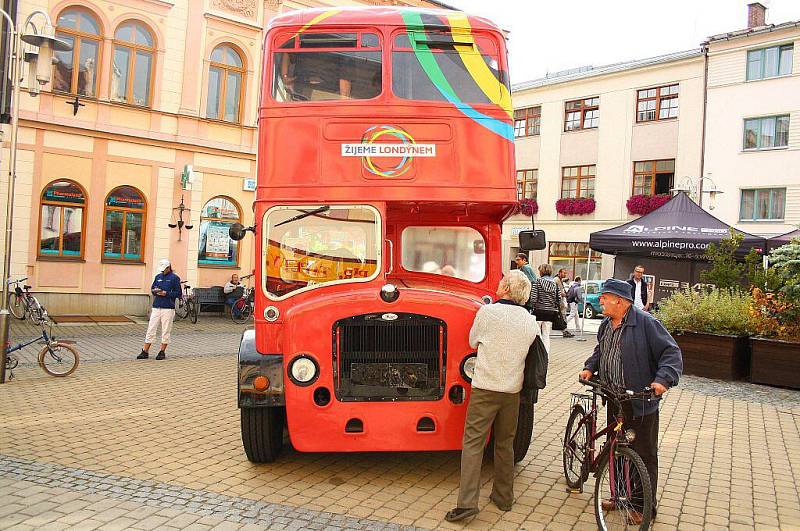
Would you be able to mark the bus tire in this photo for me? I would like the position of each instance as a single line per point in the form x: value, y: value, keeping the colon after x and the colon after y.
x: 522, y: 439
x: 262, y: 433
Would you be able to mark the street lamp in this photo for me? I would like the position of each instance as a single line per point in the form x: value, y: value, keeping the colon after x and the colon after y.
x: 39, y: 55
x: 687, y: 186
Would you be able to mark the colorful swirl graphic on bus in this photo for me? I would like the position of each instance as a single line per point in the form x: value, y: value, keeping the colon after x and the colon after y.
x: 377, y: 132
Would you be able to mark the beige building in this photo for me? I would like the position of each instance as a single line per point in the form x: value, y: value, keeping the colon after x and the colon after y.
x: 752, y: 146
x: 165, y: 89
x: 605, y: 134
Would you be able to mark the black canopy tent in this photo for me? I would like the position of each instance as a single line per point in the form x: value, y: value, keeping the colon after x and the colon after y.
x: 670, y: 242
x: 679, y: 229
x: 782, y: 239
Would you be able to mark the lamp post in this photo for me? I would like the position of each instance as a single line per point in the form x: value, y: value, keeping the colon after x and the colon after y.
x: 39, y: 54
x: 687, y: 186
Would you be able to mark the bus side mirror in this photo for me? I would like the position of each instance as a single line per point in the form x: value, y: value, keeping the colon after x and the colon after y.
x: 532, y: 240
x: 238, y: 231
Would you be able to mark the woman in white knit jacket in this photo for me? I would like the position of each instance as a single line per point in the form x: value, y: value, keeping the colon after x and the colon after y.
x: 502, y: 332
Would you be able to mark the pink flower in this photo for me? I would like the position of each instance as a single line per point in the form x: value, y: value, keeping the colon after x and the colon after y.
x: 528, y: 207
x: 644, y: 204
x: 575, y: 206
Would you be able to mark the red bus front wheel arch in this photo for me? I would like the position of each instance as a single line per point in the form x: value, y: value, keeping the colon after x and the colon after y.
x: 262, y: 433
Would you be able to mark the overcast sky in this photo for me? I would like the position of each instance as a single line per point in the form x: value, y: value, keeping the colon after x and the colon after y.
x: 552, y: 35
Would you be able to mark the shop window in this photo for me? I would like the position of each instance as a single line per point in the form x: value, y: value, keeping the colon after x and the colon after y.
x: 132, y: 64
x: 226, y: 75
x: 124, y: 222
x: 574, y: 257
x: 216, y: 247
x: 75, y: 70
x: 62, y: 220
x: 577, y: 181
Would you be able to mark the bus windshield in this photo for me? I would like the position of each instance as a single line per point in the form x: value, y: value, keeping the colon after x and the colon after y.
x: 327, y: 66
x: 308, y: 247
x: 458, y: 252
x: 438, y: 66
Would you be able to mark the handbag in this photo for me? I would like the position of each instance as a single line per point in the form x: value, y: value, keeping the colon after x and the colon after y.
x: 553, y: 316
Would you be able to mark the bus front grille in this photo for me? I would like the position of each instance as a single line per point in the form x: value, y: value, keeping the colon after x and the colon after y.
x: 389, y: 357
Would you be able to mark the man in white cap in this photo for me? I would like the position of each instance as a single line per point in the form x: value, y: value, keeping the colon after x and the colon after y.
x: 166, y: 288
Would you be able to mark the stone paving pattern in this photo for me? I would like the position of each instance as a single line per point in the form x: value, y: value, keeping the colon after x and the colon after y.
x: 730, y: 456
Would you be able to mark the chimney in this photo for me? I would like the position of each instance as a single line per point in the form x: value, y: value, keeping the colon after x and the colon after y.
x: 756, y: 15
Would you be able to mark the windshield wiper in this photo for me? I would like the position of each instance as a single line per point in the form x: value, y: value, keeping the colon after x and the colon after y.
x: 305, y: 214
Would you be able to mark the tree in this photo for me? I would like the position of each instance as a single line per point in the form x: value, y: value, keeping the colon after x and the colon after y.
x: 786, y: 261
x: 725, y: 272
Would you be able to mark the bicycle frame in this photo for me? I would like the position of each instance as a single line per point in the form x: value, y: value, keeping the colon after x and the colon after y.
x: 44, y: 337
x: 612, y: 430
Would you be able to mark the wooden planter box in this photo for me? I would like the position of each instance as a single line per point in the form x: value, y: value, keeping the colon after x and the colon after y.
x: 715, y: 355
x: 775, y: 362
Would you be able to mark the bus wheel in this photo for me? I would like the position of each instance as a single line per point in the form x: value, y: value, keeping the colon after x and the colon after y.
x: 262, y: 433
x: 522, y: 440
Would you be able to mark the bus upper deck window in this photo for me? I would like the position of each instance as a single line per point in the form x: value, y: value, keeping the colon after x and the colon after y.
x: 438, y: 66
x: 327, y: 66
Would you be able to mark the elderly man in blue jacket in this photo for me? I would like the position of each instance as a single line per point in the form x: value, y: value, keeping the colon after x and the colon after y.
x: 634, y: 351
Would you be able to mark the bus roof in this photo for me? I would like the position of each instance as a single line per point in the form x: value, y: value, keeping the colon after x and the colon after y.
x: 378, y: 16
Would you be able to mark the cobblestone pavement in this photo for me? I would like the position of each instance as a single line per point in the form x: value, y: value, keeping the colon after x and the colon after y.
x: 150, y: 444
x: 211, y: 336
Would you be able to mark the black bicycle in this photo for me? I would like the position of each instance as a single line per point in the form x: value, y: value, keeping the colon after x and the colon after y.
x: 185, y: 305
x: 57, y: 358
x: 623, y: 497
x: 22, y: 303
x: 242, y: 308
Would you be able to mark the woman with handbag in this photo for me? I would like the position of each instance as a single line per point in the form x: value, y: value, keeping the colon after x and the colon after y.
x: 545, y: 303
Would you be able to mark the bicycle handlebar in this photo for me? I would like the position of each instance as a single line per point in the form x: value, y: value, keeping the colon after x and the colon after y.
x: 17, y: 281
x: 647, y: 393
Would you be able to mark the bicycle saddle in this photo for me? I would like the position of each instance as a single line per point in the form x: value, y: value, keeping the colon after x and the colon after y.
x: 25, y: 286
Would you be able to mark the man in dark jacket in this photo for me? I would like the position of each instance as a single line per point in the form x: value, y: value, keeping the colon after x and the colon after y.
x: 639, y: 289
x: 165, y: 289
x: 634, y: 351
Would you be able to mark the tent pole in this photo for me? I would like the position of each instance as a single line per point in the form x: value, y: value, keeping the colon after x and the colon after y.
x: 582, y: 315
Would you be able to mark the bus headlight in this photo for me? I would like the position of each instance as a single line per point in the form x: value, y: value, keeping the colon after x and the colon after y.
x: 303, y: 370
x: 468, y: 366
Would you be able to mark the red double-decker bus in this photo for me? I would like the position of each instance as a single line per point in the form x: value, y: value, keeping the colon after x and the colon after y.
x: 385, y: 172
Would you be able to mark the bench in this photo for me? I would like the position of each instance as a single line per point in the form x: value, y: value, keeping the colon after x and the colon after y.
x: 209, y: 299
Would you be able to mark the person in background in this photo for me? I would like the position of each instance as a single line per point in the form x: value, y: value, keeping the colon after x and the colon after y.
x: 502, y: 333
x: 233, y: 291
x: 559, y: 280
x: 545, y: 301
x: 634, y: 351
x: 574, y: 299
x: 522, y: 264
x: 166, y: 288
x: 639, y: 289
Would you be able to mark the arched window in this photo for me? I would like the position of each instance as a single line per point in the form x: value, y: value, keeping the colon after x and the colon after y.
x: 75, y: 71
x: 125, y: 214
x: 225, y: 84
x: 216, y: 247
x: 61, y: 222
x: 132, y: 67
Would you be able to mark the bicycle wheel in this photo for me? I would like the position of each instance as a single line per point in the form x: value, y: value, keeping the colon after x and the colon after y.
x: 58, y: 359
x: 16, y: 305
x: 576, y: 449
x: 239, y: 312
x: 192, y: 310
x: 35, y: 312
x: 181, y: 308
x: 628, y: 490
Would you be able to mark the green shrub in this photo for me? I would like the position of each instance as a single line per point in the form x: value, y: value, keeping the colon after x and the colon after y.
x: 786, y: 262
x: 716, y: 312
x: 726, y: 272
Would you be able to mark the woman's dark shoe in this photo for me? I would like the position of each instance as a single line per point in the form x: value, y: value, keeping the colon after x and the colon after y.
x: 161, y: 355
x: 143, y: 356
x: 460, y: 513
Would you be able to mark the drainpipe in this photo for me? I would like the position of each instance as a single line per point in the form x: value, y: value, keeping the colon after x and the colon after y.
x: 703, y: 133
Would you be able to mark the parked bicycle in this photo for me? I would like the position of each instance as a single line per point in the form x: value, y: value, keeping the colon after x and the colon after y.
x: 623, y: 497
x: 22, y: 303
x: 242, y: 308
x: 57, y: 358
x: 185, y: 305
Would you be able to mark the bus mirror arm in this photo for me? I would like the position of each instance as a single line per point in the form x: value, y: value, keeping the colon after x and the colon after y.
x: 238, y: 231
x: 391, y: 257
